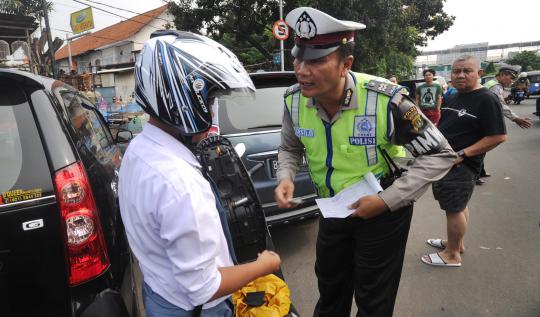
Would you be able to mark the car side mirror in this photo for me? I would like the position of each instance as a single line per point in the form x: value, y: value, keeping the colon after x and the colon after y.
x: 123, y: 136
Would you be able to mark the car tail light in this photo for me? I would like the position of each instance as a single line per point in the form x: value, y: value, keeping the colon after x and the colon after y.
x: 85, y: 244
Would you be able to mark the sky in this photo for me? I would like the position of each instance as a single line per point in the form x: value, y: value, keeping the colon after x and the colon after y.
x: 493, y: 21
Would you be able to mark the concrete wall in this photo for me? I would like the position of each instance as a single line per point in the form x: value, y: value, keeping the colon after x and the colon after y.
x: 144, y: 34
x: 125, y: 85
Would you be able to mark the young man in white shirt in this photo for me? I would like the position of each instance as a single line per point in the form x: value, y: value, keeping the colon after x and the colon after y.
x: 167, y: 205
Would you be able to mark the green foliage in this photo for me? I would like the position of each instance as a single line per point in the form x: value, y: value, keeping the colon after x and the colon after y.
x: 393, y: 30
x: 25, y: 7
x: 386, y: 46
x: 528, y: 60
x: 244, y: 26
x: 490, y: 69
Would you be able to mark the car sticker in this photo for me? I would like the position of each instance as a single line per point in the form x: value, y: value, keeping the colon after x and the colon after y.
x: 18, y: 195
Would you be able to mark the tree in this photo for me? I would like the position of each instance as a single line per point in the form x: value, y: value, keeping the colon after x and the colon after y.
x: 528, y: 60
x: 490, y: 69
x: 25, y: 7
x: 393, y: 30
x: 242, y: 25
x: 387, y: 45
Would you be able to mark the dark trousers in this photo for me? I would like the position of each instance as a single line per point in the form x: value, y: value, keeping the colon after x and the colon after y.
x: 361, y: 257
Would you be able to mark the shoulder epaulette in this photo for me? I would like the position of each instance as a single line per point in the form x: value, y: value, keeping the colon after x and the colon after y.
x: 385, y: 88
x: 291, y: 90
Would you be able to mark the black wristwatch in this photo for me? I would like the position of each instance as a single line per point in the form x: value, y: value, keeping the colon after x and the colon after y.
x: 461, y: 153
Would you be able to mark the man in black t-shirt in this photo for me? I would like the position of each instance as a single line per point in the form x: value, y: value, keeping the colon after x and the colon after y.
x: 473, y: 123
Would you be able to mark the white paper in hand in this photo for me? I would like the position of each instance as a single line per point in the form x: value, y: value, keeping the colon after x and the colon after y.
x: 338, y: 206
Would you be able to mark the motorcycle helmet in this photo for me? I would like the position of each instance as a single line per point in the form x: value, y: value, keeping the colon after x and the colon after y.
x: 179, y: 74
x: 523, y: 75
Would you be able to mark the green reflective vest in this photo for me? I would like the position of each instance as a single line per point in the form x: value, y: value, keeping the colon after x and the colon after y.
x: 341, y: 153
x: 491, y: 83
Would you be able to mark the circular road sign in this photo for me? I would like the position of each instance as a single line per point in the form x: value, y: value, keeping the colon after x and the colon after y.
x: 280, y: 30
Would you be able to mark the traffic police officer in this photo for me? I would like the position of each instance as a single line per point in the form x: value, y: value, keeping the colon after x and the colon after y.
x: 344, y: 121
x: 504, y: 78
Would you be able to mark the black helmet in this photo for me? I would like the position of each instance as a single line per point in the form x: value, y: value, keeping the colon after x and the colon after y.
x: 178, y: 74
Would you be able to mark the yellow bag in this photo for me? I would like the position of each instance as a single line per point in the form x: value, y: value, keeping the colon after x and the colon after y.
x: 277, y: 298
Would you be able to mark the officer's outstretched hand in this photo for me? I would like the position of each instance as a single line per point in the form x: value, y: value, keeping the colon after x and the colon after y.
x: 524, y: 123
x: 283, y: 194
x: 368, y: 207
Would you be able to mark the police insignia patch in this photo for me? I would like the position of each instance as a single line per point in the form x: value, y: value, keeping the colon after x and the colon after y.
x: 291, y: 90
x: 364, y: 131
x: 382, y: 87
x: 416, y: 118
x: 348, y: 95
x: 305, y: 28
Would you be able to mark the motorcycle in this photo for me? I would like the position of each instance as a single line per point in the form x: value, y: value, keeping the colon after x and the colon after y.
x: 518, y: 96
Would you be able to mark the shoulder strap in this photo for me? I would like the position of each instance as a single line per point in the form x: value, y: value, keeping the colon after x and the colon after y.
x: 381, y: 87
x: 291, y: 90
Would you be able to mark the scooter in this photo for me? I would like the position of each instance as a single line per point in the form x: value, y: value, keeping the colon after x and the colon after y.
x: 519, y: 95
x: 234, y: 188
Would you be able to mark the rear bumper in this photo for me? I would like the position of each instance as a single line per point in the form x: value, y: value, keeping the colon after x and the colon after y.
x: 107, y: 303
x: 294, y: 215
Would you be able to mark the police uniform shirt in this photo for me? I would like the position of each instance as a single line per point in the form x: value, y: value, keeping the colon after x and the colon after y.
x: 498, y: 90
x: 404, y: 191
x: 468, y: 117
x: 171, y: 221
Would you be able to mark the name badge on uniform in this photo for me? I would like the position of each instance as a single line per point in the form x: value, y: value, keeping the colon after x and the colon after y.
x: 364, y: 131
x: 301, y: 132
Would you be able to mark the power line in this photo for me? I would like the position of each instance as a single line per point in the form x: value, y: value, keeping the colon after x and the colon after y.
x: 77, y: 8
x: 96, y: 36
x: 117, y: 8
x: 123, y: 17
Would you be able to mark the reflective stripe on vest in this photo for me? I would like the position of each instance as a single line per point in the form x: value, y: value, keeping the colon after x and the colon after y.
x: 491, y: 83
x: 341, y: 153
x: 371, y: 110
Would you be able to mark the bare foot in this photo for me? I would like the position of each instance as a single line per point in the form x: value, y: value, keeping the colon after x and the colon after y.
x: 461, y: 249
x: 450, y: 258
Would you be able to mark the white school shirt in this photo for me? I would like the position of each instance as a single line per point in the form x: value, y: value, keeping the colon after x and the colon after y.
x: 169, y: 212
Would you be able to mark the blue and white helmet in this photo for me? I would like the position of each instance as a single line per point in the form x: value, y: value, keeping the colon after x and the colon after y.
x: 178, y: 74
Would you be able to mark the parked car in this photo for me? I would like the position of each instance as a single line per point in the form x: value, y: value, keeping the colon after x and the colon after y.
x: 63, y: 249
x: 254, y: 128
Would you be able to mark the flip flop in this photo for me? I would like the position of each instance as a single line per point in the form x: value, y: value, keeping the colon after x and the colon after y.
x: 437, y: 243
x: 436, y: 260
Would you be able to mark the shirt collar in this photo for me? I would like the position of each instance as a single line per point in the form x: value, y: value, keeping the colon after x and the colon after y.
x: 170, y: 143
x: 349, y: 100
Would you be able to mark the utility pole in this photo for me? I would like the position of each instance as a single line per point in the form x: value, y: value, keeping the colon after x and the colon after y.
x: 282, y: 56
x: 49, y: 38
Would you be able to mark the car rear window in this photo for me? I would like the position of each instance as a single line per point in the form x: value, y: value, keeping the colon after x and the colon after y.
x: 24, y: 173
x: 241, y: 113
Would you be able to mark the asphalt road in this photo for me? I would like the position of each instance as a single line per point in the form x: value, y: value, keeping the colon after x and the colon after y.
x: 500, y: 275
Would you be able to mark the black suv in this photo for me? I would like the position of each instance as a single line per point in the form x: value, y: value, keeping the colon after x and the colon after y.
x: 63, y: 250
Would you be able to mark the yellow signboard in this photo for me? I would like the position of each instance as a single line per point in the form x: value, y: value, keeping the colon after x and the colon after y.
x: 82, y: 20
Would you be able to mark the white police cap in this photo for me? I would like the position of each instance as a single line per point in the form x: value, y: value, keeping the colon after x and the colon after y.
x: 317, y: 33
x: 510, y: 69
